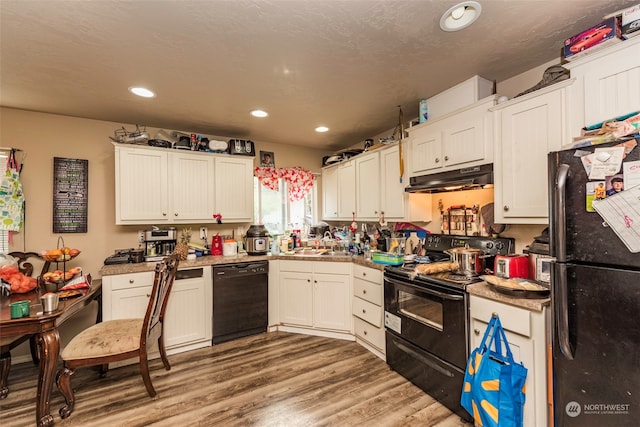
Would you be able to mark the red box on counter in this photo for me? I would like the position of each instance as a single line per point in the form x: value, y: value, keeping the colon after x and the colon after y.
x: 593, y: 39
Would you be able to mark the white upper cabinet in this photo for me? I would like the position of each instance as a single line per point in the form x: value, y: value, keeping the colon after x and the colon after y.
x: 368, y: 186
x: 527, y: 129
x: 346, y: 189
x: 459, y: 139
x: 234, y: 188
x: 330, y: 192
x: 607, y: 85
x: 155, y: 186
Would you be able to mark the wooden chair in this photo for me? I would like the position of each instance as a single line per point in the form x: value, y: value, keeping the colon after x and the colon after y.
x: 9, y: 343
x: 121, y: 339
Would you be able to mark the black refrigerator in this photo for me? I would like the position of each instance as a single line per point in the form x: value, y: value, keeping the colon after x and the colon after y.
x: 595, y: 285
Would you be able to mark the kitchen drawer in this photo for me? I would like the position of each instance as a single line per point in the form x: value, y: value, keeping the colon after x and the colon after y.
x: 366, y: 311
x: 366, y: 273
x: 297, y: 266
x: 332, y: 267
x: 369, y: 333
x: 368, y: 291
x: 513, y: 319
x: 131, y: 280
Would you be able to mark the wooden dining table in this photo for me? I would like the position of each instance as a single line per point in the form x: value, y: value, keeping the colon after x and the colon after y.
x: 44, y: 326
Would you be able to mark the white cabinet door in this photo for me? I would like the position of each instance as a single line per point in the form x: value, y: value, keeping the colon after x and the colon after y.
x: 191, y: 186
x: 607, y: 85
x: 234, y: 188
x: 367, y: 192
x: 528, y: 129
x: 129, y: 303
x: 330, y: 192
x: 393, y: 199
x: 425, y: 150
x: 141, y: 185
x: 296, y: 298
x: 347, y: 189
x: 186, y: 317
x: 463, y: 139
x: 331, y: 296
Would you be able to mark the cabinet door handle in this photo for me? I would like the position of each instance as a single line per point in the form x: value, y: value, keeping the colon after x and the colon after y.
x: 148, y: 295
x: 437, y: 160
x: 364, y: 291
x: 308, y: 280
x: 364, y: 311
x: 364, y: 274
x: 164, y: 214
x: 506, y: 208
x: 446, y: 158
x: 476, y: 331
x: 175, y: 214
x: 365, y: 332
x: 131, y: 281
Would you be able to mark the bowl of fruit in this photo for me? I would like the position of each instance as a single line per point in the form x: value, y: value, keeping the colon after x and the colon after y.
x: 60, y: 255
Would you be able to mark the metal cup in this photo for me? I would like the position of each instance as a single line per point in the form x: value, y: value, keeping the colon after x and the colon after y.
x: 49, y: 302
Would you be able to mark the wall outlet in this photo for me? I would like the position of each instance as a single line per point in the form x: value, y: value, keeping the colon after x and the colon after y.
x: 203, y: 233
x: 140, y: 236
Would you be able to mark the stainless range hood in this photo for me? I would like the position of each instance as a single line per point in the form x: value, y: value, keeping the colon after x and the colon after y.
x: 455, y: 180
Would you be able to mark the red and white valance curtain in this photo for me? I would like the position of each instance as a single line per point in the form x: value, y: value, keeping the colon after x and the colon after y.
x: 299, y: 180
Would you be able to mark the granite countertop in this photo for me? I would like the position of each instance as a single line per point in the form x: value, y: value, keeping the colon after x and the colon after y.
x: 208, y: 260
x: 482, y: 289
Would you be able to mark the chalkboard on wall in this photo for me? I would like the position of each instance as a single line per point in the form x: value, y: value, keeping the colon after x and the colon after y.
x: 70, y: 195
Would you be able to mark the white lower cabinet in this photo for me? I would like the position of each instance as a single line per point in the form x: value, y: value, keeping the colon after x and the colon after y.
x: 315, y: 295
x: 526, y: 334
x: 188, y: 316
x: 367, y: 308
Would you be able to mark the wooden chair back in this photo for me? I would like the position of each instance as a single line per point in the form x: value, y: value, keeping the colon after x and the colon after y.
x: 165, y: 275
x: 25, y: 266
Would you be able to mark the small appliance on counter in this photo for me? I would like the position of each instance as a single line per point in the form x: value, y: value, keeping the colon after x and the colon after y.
x: 158, y: 243
x: 511, y: 266
x: 539, y: 258
x: 257, y: 240
x: 125, y: 256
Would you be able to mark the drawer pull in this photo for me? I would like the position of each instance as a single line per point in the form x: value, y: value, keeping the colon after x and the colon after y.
x: 148, y: 295
x: 364, y: 311
x: 365, y: 274
x: 476, y: 331
x: 364, y: 291
x: 131, y: 281
x: 365, y: 332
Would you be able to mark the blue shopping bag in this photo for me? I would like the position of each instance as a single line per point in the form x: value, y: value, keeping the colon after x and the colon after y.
x: 493, y: 390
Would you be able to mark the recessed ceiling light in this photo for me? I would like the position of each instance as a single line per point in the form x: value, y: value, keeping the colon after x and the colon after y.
x: 141, y: 91
x: 259, y: 113
x: 460, y: 16
x: 322, y: 129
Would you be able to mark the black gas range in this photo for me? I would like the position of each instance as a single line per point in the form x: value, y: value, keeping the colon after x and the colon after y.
x: 435, y: 246
x: 426, y: 318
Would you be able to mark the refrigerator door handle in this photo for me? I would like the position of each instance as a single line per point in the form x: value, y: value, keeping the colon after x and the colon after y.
x: 559, y: 214
x: 561, y: 304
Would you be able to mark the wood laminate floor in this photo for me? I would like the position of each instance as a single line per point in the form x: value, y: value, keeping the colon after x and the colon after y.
x: 275, y: 379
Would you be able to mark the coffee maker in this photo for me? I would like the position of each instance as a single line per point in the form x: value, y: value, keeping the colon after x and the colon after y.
x: 159, y: 243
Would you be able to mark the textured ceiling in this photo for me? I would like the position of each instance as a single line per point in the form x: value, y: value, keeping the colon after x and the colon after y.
x: 346, y: 64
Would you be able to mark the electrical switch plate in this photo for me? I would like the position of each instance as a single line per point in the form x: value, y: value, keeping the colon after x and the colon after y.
x: 140, y: 236
x: 203, y: 233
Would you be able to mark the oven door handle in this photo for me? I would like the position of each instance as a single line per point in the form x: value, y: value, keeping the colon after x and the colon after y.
x: 442, y: 295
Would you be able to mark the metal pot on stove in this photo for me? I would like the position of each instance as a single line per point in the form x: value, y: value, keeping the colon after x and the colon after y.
x: 470, y: 261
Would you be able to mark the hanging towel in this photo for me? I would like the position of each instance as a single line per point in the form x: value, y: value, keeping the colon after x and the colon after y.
x: 11, y: 197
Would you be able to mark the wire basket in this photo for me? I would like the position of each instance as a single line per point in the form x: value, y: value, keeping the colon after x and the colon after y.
x: 124, y: 136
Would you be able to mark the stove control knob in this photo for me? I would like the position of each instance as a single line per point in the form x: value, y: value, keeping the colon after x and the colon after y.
x: 489, y: 245
x: 499, y: 246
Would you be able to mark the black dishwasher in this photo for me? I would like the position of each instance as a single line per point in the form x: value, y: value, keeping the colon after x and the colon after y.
x: 240, y: 300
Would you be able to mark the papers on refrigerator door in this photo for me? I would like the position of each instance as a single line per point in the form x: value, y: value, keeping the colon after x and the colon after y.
x: 622, y: 212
